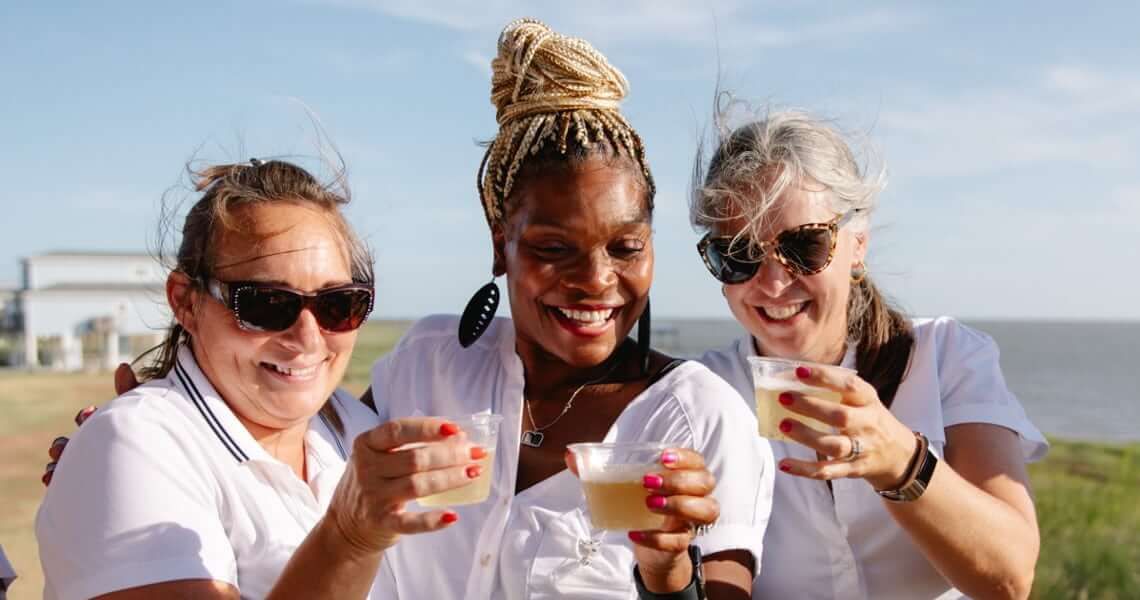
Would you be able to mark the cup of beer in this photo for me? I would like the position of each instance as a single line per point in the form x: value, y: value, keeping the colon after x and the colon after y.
x: 481, y: 430
x: 774, y: 376
x: 612, y: 478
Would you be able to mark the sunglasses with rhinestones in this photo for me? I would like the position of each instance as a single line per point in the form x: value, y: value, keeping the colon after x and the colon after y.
x: 260, y: 306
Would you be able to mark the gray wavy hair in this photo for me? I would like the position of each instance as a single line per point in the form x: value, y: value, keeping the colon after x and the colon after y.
x: 753, y: 164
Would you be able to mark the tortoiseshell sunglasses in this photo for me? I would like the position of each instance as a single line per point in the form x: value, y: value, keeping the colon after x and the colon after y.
x: 803, y: 250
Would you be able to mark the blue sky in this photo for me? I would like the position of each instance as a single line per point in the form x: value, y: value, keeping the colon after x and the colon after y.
x: 1011, y: 133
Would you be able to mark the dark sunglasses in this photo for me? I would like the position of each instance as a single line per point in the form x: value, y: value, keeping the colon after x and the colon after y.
x: 259, y: 306
x: 804, y: 250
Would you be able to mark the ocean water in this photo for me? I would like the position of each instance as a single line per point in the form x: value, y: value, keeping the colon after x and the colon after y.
x: 1078, y: 380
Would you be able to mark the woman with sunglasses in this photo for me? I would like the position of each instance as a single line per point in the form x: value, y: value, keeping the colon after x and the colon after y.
x: 221, y: 476
x: 918, y: 488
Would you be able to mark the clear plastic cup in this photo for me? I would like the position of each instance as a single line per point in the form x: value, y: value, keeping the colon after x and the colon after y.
x: 482, y: 430
x: 612, y: 479
x: 774, y: 376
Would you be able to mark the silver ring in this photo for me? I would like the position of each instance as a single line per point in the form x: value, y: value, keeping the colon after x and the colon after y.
x: 856, y: 448
x: 699, y: 530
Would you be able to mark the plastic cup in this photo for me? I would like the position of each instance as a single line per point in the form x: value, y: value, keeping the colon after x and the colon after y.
x: 774, y: 376
x: 612, y: 479
x: 482, y: 430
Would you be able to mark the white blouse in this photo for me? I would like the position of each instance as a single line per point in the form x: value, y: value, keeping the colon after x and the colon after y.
x: 539, y: 543
x: 165, y: 483
x: 848, y: 546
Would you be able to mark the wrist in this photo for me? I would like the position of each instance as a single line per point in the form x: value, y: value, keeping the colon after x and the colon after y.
x: 346, y: 541
x: 693, y: 589
x: 905, y: 456
x: 671, y: 576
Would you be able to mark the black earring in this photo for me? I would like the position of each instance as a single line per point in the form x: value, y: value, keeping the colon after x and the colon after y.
x: 477, y: 316
x: 644, y: 326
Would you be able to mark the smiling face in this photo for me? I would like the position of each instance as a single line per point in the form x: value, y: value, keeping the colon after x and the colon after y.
x: 577, y: 250
x: 798, y: 316
x: 271, y: 380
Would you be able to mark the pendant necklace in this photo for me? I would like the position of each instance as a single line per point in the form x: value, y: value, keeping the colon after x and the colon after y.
x: 533, y: 437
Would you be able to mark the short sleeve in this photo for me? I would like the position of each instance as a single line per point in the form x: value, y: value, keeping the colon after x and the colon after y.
x: 974, y: 389
x: 7, y: 573
x: 724, y: 431
x: 131, y: 504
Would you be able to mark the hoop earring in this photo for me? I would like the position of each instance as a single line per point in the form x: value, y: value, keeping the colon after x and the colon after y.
x: 644, y: 331
x: 479, y: 313
x: 858, y: 272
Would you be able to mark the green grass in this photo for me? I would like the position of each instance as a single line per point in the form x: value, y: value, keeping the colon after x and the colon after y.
x: 1088, y: 495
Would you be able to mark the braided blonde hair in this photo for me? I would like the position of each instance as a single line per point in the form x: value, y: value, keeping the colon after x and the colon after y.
x: 552, y: 92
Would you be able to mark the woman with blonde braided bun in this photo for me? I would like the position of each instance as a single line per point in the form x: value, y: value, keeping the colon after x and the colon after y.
x: 568, y: 197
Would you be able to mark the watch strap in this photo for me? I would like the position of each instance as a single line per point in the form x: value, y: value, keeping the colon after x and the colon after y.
x: 694, y: 591
x: 918, y: 476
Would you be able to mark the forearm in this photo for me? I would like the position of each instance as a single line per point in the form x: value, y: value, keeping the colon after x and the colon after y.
x: 325, y: 565
x: 981, y: 544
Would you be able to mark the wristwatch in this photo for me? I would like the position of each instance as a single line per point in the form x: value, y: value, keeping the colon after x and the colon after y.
x: 694, y: 591
x: 919, y: 472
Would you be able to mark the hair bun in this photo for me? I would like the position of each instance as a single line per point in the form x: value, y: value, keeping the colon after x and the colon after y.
x: 540, y: 71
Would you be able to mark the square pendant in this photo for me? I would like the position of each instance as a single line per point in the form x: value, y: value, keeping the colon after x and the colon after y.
x: 532, y: 438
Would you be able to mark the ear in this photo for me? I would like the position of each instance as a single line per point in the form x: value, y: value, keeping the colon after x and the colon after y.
x: 498, y: 249
x: 181, y: 296
x: 859, y: 253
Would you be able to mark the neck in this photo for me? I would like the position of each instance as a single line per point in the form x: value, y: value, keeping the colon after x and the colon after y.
x: 547, y: 375
x: 286, y: 445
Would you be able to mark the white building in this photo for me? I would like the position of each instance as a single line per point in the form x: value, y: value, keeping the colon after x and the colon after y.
x: 87, y: 309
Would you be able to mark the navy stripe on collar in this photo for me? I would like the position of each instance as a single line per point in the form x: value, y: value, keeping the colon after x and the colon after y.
x: 335, y: 437
x: 208, y: 415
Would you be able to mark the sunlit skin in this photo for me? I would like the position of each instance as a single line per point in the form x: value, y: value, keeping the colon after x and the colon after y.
x: 818, y: 332
x: 290, y: 245
x: 575, y: 239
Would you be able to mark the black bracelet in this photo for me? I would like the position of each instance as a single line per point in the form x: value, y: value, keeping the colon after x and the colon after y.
x: 694, y: 591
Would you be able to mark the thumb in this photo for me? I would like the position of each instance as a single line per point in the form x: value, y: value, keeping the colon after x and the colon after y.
x: 125, y: 379
x: 571, y: 464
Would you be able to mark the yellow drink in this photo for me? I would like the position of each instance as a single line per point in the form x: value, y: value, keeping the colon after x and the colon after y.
x: 769, y: 411
x: 472, y: 493
x: 617, y: 500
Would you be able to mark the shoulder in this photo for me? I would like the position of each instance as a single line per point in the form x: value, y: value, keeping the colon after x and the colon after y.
x: 438, y: 334
x: 157, y: 408
x: 729, y: 363
x: 947, y: 335
x: 709, y: 404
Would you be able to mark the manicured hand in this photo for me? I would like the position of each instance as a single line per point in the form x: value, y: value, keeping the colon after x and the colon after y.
x: 885, y: 444
x: 393, y: 464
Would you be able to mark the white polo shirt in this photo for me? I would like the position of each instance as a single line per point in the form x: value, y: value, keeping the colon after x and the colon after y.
x: 539, y: 544
x: 848, y: 546
x: 164, y: 483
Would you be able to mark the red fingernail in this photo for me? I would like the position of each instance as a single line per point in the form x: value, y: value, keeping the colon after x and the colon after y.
x: 448, y: 429
x: 449, y: 517
x: 46, y: 478
x: 477, y: 453
x: 786, y: 399
x: 473, y: 471
x: 637, y: 536
x: 669, y: 457
x: 785, y: 468
x: 785, y: 426
x: 655, y: 502
x: 653, y: 481
x: 803, y: 372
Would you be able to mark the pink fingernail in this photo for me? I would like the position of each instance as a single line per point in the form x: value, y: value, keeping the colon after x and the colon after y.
x: 803, y: 372
x: 669, y: 457
x: 785, y: 426
x: 653, y: 481
x: 786, y: 399
x: 637, y: 536
x: 655, y: 502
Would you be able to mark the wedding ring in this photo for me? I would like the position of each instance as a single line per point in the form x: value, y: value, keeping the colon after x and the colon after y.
x: 699, y: 530
x: 856, y: 448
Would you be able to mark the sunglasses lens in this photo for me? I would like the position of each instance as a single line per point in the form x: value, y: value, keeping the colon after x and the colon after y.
x: 806, y: 250
x: 343, y: 310
x: 267, y: 309
x: 722, y: 262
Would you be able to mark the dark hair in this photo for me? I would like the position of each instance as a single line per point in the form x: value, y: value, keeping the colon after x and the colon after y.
x: 228, y: 189
x: 752, y: 165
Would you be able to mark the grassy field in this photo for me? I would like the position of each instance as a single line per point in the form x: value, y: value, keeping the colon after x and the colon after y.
x: 1088, y: 495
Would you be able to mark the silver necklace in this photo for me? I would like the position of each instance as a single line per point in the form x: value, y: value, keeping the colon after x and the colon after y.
x: 533, y: 437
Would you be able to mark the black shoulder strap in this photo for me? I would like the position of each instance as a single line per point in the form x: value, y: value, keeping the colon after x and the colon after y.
x: 663, y: 371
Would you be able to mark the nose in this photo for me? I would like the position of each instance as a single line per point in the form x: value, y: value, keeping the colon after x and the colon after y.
x: 772, y: 278
x: 304, y: 336
x: 593, y: 273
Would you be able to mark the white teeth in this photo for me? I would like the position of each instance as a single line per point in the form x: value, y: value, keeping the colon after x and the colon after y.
x: 305, y: 372
x: 587, y: 316
x: 779, y: 313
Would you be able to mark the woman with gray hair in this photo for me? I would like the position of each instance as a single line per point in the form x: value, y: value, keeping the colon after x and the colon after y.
x: 913, y: 483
